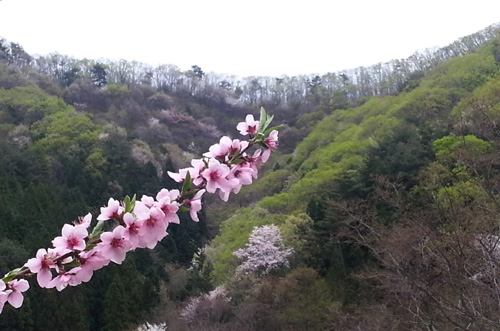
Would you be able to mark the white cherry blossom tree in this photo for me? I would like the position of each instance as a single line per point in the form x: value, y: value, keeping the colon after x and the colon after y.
x: 264, y: 252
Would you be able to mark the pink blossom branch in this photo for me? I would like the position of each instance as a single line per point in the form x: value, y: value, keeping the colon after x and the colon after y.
x: 76, y: 254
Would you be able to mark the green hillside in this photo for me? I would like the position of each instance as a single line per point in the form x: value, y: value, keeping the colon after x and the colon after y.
x: 384, y: 190
x: 380, y: 199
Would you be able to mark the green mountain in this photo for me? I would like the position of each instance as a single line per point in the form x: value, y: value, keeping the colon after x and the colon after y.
x: 385, y: 186
x: 393, y: 205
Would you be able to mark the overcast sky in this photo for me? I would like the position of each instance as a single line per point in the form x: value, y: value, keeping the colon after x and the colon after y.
x: 258, y: 37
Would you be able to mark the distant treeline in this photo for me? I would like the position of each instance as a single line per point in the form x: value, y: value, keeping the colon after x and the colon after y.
x: 332, y: 88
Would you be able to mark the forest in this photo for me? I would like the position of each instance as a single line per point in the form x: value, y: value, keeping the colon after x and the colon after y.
x: 378, y: 210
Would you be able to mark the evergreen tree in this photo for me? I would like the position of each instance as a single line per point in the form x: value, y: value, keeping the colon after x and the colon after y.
x: 98, y: 74
x: 117, y: 306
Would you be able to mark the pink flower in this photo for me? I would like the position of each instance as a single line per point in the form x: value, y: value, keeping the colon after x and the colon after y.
x: 226, y: 148
x: 113, y: 246
x: 154, y: 227
x: 112, y: 211
x: 194, y: 172
x: 89, y: 262
x: 41, y: 265
x: 84, y: 221
x: 244, y: 176
x: 73, y: 238
x: 168, y: 205
x: 171, y: 195
x: 3, y: 297
x: 15, y: 298
x: 132, y: 231
x: 250, y: 126
x: 148, y: 201
x: 221, y: 149
x: 252, y: 162
x: 194, y: 205
x: 237, y: 146
x: 61, y: 281
x: 199, y: 167
x: 216, y: 175
x: 272, y: 143
x: 180, y: 176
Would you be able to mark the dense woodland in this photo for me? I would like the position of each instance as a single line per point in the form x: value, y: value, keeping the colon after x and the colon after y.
x: 384, y: 191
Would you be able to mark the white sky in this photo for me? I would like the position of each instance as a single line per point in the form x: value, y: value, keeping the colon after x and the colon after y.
x: 258, y: 37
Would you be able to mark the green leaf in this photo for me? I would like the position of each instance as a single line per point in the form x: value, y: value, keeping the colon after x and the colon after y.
x: 268, y: 131
x: 237, y: 161
x: 72, y: 264
x: 183, y: 209
x: 187, y: 183
x: 127, y: 204
x: 268, y: 121
x: 263, y: 119
x: 236, y: 157
x: 12, y: 274
x: 132, y: 203
x: 96, y: 232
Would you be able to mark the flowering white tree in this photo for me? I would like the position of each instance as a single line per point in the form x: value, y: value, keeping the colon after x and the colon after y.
x: 264, y: 252
x: 152, y: 327
x: 210, y: 307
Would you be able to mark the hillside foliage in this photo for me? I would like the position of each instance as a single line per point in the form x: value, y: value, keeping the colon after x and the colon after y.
x: 385, y: 187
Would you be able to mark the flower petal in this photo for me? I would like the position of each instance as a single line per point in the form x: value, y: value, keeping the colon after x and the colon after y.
x: 20, y: 285
x: 16, y: 299
x: 44, y: 277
